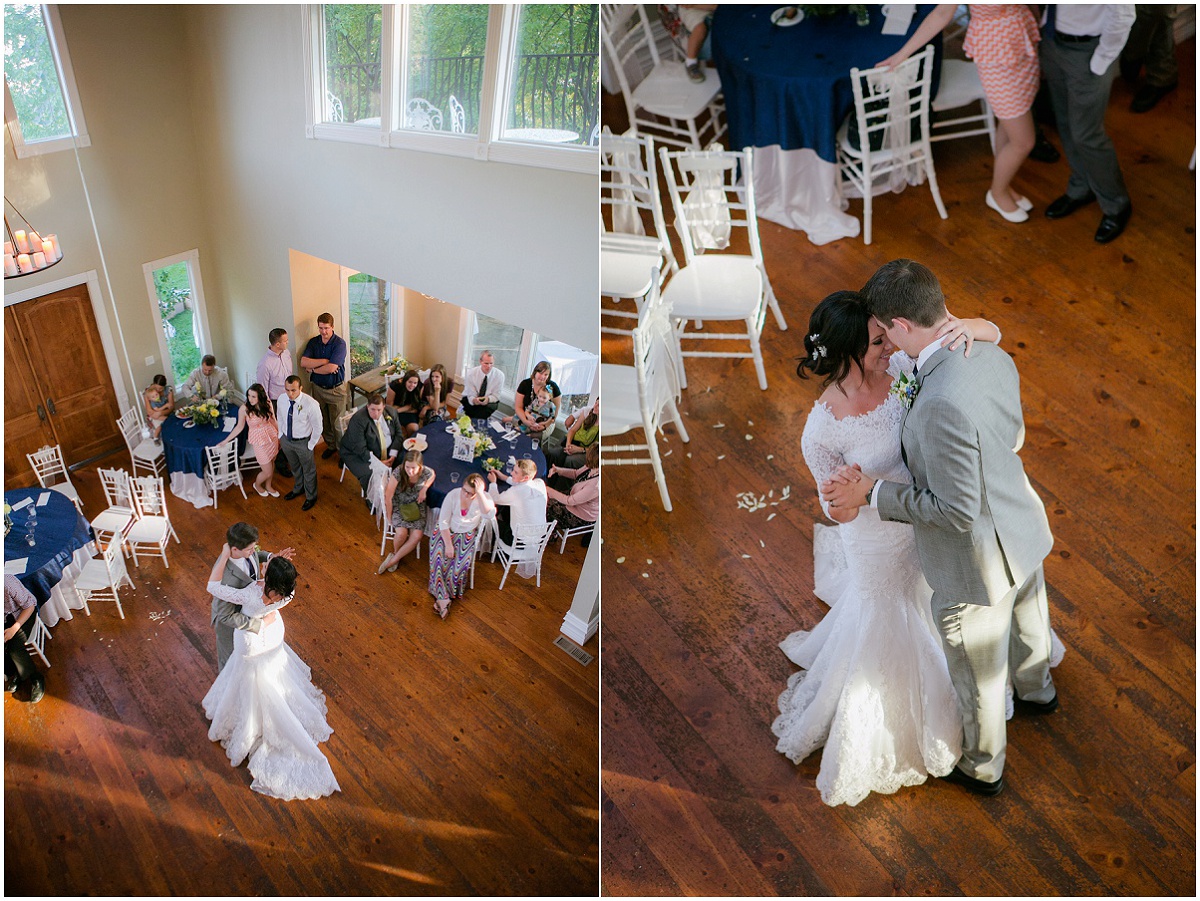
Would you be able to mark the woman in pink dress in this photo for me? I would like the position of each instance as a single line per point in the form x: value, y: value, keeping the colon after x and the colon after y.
x: 1002, y: 40
x: 258, y: 416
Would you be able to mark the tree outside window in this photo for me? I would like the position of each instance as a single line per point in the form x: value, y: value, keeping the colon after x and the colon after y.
x: 31, y: 74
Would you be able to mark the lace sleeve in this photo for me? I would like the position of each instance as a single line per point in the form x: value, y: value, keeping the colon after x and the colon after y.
x: 816, y: 444
x: 901, y: 363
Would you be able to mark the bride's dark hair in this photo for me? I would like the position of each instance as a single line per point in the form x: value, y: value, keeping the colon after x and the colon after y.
x: 281, y: 577
x: 837, y: 337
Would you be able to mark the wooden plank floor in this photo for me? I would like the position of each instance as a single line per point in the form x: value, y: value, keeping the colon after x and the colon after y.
x: 1100, y: 798
x: 466, y: 749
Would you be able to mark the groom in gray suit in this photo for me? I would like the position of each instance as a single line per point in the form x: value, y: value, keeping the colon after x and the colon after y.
x: 981, y: 531
x: 246, y: 564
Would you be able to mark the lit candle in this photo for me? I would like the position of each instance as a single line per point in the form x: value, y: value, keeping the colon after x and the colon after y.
x: 39, y: 260
x: 24, y: 263
x: 10, y: 265
x: 21, y: 241
x: 8, y: 248
x: 35, y: 241
x: 53, y: 239
x: 48, y: 250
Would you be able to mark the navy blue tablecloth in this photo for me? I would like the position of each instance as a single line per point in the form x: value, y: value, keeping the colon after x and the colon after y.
x: 791, y: 86
x: 60, y: 531
x: 440, y: 458
x: 184, y: 447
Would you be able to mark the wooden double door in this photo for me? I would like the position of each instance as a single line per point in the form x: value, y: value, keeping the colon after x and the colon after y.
x: 57, y: 386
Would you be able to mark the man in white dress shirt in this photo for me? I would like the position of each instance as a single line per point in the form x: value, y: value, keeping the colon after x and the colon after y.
x: 524, y: 501
x: 299, y: 417
x: 481, y: 388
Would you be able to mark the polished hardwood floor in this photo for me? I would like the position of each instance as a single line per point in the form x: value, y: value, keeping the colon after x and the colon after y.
x: 1101, y: 796
x: 466, y: 749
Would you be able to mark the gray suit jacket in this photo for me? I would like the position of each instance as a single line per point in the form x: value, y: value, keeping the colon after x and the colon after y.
x: 980, y: 527
x: 230, y: 615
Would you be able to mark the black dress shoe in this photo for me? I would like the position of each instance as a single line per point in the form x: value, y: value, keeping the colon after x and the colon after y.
x: 291, y: 495
x: 1067, y: 204
x: 1112, y: 226
x: 1043, y: 151
x: 309, y: 504
x: 37, y: 688
x: 977, y: 786
x: 1037, y: 708
x: 1149, y: 95
x: 327, y: 453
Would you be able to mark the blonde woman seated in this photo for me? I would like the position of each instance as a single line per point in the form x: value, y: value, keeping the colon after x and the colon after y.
x: 581, y: 434
x: 404, y: 500
x: 453, y: 548
x: 159, y: 402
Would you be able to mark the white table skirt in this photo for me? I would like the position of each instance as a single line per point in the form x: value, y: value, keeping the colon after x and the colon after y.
x: 190, y: 487
x: 63, y: 596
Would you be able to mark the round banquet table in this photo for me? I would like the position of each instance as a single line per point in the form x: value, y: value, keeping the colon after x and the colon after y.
x: 440, y: 458
x: 787, y: 91
x: 62, y: 545
x: 183, y: 449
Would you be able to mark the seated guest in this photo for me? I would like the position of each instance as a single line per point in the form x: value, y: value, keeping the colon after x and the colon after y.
x: 19, y: 607
x: 582, y: 505
x: 453, y: 546
x: 404, y: 394
x: 258, y: 415
x: 373, y: 429
x: 523, y: 505
x: 541, y: 411
x: 404, y: 501
x: 581, y: 434
x: 206, y: 380
x: 526, y: 396
x: 433, y: 396
x: 159, y: 401
x: 481, y: 388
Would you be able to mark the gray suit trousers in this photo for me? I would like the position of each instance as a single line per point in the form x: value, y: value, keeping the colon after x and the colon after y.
x: 983, y: 646
x: 304, y: 468
x: 1080, y: 100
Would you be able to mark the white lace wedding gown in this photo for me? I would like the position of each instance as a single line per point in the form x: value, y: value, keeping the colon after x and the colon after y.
x: 875, y: 690
x: 264, y: 705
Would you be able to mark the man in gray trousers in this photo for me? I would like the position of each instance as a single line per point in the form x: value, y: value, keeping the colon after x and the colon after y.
x: 246, y: 564
x: 981, y: 531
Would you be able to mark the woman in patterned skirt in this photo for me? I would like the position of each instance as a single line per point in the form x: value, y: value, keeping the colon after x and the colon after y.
x: 453, y: 547
x: 258, y: 416
x: 1002, y: 39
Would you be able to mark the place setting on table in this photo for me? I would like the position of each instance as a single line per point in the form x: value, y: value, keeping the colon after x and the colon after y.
x: 785, y: 72
x: 47, y: 541
x: 185, y: 434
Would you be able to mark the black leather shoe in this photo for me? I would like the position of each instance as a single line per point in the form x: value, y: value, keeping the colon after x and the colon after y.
x: 977, y: 786
x: 37, y: 688
x: 1067, y: 204
x: 1035, y: 707
x: 309, y: 504
x: 1043, y: 151
x: 327, y: 453
x: 292, y: 495
x: 1147, y: 98
x: 1112, y: 226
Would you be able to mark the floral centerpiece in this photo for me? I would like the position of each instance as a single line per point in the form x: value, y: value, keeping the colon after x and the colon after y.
x: 492, y: 464
x: 829, y: 10
x: 397, y: 365
x: 204, y: 412
x: 483, y: 443
x: 7, y: 518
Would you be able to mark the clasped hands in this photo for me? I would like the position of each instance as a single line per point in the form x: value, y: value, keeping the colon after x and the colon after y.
x: 845, y: 491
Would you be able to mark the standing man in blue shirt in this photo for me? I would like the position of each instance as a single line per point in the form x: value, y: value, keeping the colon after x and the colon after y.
x: 325, y: 361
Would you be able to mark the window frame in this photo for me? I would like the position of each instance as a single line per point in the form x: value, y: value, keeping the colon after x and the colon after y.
x: 199, y: 310
x: 488, y: 145
x: 66, y: 81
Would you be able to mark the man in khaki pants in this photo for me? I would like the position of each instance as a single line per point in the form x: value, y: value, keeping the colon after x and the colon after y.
x: 325, y: 362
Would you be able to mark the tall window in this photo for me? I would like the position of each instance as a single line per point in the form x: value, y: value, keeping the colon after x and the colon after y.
x: 353, y: 63
x: 37, y: 75
x: 445, y: 47
x: 177, y: 304
x: 370, y: 301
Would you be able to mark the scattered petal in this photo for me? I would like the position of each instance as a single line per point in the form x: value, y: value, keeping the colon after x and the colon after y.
x: 648, y: 560
x: 749, y: 422
x: 722, y: 457
x: 689, y: 455
x: 667, y: 454
x: 719, y: 425
x: 749, y: 437
x: 760, y: 543
x: 772, y: 516
x: 745, y: 556
x: 645, y: 575
x: 620, y: 559
x: 770, y: 456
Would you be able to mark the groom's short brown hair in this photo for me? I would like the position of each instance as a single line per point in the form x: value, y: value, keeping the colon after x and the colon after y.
x: 241, y: 535
x: 905, y: 289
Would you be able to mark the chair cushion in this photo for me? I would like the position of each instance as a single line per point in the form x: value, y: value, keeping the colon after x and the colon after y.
x: 149, y: 528
x: 113, y: 519
x: 625, y: 273
x: 667, y: 91
x: 148, y: 450
x: 622, y: 407
x: 717, y: 286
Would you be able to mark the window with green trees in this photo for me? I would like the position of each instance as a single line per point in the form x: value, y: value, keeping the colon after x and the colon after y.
x: 37, y: 75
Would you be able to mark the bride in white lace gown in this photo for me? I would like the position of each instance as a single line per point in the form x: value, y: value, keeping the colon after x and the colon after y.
x: 263, y: 704
x: 875, y: 689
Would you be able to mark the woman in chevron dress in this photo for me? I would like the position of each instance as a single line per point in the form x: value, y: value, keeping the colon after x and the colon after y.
x: 1002, y: 40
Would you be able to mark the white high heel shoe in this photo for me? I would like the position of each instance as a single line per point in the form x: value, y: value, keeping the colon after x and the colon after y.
x: 1017, y: 215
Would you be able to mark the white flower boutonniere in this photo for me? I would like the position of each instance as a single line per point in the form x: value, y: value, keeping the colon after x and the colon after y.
x: 905, y: 388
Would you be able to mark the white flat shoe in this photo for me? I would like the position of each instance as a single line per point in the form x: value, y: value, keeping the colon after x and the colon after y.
x: 1017, y: 215
x: 261, y: 493
x: 1024, y: 203
x: 272, y: 492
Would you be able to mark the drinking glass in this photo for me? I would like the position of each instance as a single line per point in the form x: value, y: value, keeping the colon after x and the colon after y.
x: 454, y: 477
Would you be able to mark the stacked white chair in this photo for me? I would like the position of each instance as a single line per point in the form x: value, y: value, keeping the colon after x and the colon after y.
x: 659, y: 96
x: 153, y: 528
x: 898, y: 102
x: 629, y: 192
x: 120, y: 514
x: 636, y: 397
x: 145, y: 453
x: 102, y: 576
x: 724, y: 286
x: 960, y: 86
x: 37, y: 638
x: 49, y: 468
x: 526, y: 547
x: 222, y: 470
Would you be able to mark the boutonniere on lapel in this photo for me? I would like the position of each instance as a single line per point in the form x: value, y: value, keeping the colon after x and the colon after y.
x: 905, y: 388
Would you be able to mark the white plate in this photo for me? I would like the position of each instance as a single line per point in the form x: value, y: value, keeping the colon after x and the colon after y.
x: 189, y: 424
x: 778, y: 19
x: 416, y: 443
x: 451, y: 430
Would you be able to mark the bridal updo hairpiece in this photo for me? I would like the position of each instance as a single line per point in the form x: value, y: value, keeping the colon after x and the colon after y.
x: 837, y: 337
x: 818, y: 349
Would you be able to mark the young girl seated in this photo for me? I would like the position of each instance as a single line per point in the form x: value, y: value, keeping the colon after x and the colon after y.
x: 541, y: 410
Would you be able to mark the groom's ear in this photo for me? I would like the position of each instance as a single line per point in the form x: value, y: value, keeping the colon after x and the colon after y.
x: 903, y: 324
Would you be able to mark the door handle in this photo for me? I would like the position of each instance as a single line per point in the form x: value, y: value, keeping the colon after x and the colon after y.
x: 41, y: 413
x: 50, y: 406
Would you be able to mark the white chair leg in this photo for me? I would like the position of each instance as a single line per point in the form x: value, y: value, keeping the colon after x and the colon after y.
x: 757, y: 352
x: 505, y: 576
x: 678, y: 420
x: 774, y: 304
x: 866, y: 210
x: 656, y: 464
x: 933, y: 186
